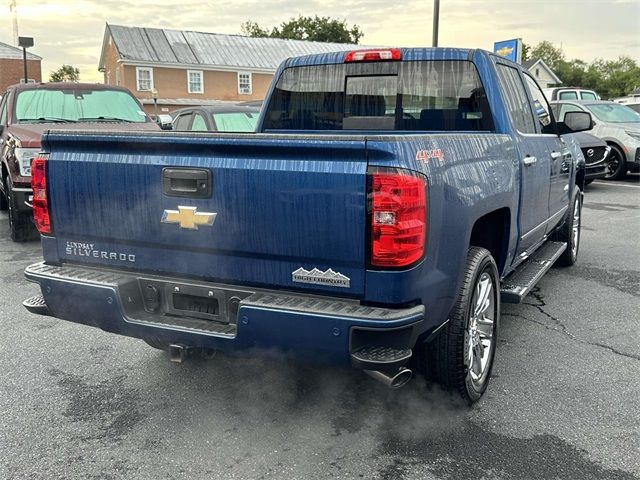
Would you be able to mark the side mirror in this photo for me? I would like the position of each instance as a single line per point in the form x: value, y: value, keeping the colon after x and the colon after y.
x: 165, y: 122
x: 577, y: 121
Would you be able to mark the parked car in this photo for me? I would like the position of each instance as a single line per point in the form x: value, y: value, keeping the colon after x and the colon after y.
x: 343, y: 232
x: 27, y: 110
x: 570, y: 93
x: 631, y: 101
x: 616, y: 124
x: 219, y: 118
x: 595, y: 152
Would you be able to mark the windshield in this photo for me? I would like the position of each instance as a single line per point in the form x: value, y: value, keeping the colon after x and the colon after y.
x: 614, y: 113
x: 44, y: 105
x: 236, y: 121
x: 414, y: 96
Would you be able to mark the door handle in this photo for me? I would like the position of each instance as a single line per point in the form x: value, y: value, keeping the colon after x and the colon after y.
x: 555, y: 155
x: 528, y: 161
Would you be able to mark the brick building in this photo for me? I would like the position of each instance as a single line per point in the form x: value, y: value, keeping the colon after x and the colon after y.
x: 194, y: 68
x: 11, y: 66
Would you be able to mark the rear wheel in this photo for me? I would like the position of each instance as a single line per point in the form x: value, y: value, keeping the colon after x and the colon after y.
x: 588, y: 181
x: 461, y: 357
x: 616, y: 164
x: 20, y: 224
x: 3, y: 199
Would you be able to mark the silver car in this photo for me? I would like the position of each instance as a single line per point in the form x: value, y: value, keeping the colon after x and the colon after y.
x: 616, y: 124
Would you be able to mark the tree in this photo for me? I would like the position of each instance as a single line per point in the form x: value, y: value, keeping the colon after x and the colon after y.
x: 318, y: 29
x: 66, y: 73
x: 548, y: 52
x: 526, y: 48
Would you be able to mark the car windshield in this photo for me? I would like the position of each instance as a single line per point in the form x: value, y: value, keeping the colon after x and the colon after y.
x: 236, y: 121
x: 47, y: 105
x: 614, y: 113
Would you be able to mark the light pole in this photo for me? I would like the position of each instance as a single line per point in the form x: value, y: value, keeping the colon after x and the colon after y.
x: 25, y: 42
x: 154, y: 95
x: 436, y: 22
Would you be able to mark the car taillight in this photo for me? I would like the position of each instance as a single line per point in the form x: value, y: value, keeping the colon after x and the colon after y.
x: 398, y: 217
x: 40, y: 201
x: 373, y: 55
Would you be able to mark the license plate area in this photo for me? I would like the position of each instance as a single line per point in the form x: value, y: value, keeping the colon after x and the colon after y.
x: 184, y: 300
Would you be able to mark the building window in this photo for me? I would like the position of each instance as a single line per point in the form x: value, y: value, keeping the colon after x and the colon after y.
x: 537, y: 72
x: 194, y: 81
x: 144, y: 79
x: 244, y: 83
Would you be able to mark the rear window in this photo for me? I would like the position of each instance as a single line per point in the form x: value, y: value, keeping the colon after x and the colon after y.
x: 588, y: 96
x: 568, y: 96
x: 412, y: 96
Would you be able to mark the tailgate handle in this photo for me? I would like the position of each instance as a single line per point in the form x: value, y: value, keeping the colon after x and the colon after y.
x: 186, y: 182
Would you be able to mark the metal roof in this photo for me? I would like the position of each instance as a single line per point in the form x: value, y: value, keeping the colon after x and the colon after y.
x: 9, y: 51
x: 158, y: 46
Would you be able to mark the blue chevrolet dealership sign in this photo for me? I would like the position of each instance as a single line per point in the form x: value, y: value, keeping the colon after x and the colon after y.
x: 509, y: 49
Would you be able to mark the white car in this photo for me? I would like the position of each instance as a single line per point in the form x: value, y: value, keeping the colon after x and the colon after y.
x: 569, y: 93
x: 616, y: 124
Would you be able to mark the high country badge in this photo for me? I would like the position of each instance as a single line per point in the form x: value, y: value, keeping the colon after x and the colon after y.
x: 318, y: 277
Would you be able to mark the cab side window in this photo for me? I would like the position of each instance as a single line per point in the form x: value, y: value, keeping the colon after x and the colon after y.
x: 181, y: 124
x: 199, y: 123
x: 541, y: 106
x: 516, y: 99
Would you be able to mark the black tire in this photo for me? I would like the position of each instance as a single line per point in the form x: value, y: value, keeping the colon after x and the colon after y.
x: 588, y: 181
x: 566, y: 234
x: 157, y: 344
x: 20, y: 223
x: 616, y: 164
x: 3, y: 199
x: 446, y: 358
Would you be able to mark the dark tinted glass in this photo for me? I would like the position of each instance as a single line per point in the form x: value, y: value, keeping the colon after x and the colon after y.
x: 516, y: 98
x: 414, y: 96
x: 182, y: 122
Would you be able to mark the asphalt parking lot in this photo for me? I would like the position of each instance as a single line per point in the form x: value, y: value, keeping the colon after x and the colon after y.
x: 76, y: 402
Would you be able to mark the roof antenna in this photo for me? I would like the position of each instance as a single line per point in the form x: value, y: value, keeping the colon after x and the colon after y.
x: 14, y: 15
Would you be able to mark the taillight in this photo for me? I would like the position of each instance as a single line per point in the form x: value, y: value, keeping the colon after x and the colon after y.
x: 373, y: 55
x: 40, y: 202
x: 398, y: 217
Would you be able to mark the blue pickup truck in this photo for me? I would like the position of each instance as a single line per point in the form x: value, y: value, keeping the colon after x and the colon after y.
x: 390, y: 200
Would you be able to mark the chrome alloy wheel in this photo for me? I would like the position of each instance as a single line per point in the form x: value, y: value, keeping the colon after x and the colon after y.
x: 479, y: 335
x: 575, y: 228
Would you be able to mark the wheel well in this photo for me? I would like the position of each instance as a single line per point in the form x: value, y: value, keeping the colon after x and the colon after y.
x: 492, y: 231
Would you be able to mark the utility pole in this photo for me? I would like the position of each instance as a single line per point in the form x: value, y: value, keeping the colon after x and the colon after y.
x: 436, y: 22
x: 14, y: 16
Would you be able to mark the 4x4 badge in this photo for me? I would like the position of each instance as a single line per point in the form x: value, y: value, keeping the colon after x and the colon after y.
x: 189, y: 218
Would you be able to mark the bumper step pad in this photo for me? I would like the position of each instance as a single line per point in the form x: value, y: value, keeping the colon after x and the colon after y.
x: 517, y: 285
x: 37, y: 305
x: 380, y: 357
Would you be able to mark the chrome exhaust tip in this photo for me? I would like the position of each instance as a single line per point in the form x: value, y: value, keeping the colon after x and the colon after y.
x: 395, y: 381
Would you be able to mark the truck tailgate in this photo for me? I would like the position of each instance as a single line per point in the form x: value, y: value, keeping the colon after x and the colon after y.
x: 282, y: 203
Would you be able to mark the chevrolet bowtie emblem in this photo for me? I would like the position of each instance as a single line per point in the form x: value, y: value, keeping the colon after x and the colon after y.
x: 188, y: 217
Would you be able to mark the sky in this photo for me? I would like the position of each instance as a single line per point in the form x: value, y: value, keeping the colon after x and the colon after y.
x: 71, y: 32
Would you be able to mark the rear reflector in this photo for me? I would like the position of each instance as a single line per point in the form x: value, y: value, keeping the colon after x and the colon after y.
x: 40, y: 202
x: 373, y: 55
x: 398, y: 217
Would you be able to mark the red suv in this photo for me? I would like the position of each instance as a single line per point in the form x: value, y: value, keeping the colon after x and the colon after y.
x: 26, y: 111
